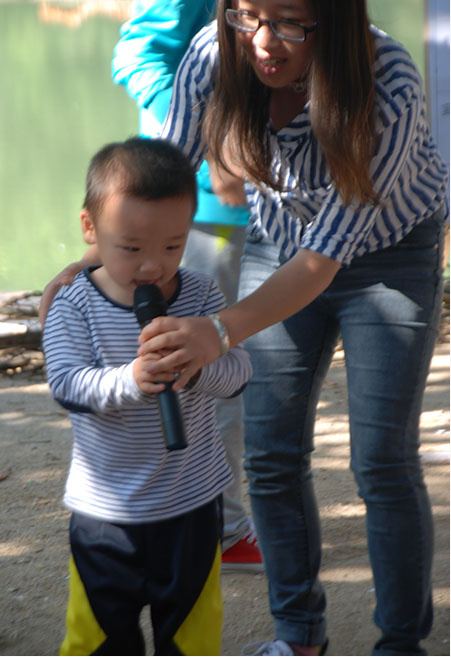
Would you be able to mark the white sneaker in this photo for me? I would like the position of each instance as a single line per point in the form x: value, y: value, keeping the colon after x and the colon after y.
x: 277, y: 647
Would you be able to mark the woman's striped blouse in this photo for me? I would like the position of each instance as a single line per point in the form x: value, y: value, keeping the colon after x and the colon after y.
x: 407, y: 171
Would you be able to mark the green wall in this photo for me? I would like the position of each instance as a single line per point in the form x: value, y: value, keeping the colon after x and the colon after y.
x: 403, y: 20
x: 59, y: 105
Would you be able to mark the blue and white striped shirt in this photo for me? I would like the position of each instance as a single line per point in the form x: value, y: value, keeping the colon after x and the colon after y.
x: 120, y: 469
x: 407, y: 171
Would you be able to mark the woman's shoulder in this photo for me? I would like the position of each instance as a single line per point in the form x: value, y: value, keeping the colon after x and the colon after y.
x: 201, y: 57
x: 206, y: 40
x: 392, y: 60
x: 398, y: 81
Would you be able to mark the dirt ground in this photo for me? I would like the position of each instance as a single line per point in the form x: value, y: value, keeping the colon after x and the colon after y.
x: 35, y: 443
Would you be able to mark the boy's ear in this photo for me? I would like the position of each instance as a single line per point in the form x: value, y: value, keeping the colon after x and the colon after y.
x: 87, y: 227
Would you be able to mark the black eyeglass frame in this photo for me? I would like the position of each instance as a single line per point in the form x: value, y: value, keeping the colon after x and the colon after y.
x: 272, y: 24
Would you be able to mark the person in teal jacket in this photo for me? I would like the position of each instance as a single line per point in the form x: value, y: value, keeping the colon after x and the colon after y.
x: 145, y: 61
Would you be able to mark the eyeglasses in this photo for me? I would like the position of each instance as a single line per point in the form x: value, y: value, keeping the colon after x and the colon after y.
x: 287, y: 30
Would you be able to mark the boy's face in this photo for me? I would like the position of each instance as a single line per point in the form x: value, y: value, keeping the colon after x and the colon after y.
x: 139, y: 241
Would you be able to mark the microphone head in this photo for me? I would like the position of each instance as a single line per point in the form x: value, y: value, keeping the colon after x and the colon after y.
x: 148, y: 303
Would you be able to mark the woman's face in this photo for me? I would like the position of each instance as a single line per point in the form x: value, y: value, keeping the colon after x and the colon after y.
x: 277, y: 62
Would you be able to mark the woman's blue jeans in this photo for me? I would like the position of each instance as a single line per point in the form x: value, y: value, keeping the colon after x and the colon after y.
x: 386, y: 307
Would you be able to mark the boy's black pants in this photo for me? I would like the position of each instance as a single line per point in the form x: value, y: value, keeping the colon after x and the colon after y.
x: 115, y: 570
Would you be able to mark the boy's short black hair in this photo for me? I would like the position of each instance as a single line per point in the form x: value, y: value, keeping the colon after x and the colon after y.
x: 145, y: 168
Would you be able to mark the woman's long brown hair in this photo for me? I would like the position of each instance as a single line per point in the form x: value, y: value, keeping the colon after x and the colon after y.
x: 341, y: 100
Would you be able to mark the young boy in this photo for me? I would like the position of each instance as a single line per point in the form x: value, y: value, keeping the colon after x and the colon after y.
x: 145, y: 526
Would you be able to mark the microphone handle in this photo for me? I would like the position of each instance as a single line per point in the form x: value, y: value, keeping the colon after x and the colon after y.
x: 148, y: 303
x: 171, y: 419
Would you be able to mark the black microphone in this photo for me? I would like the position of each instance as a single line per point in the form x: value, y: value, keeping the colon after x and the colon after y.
x: 148, y: 302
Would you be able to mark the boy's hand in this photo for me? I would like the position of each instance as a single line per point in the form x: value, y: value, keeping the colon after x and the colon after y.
x: 185, y: 345
x: 149, y: 383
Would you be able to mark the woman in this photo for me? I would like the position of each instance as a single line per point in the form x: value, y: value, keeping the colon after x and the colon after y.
x: 326, y: 117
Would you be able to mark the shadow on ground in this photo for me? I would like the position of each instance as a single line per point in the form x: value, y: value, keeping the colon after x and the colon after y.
x: 35, y: 442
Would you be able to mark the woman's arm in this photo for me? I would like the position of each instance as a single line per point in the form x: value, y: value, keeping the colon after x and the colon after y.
x: 292, y: 287
x: 194, y: 341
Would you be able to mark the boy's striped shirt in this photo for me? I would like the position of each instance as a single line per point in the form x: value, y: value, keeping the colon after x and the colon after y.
x: 120, y: 469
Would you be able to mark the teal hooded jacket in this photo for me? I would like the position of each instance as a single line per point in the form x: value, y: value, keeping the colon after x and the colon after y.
x: 145, y: 61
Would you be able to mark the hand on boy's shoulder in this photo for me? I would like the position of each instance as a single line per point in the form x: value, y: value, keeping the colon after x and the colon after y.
x: 65, y: 277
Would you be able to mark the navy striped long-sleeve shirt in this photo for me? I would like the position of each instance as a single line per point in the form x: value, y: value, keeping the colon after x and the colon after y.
x: 120, y: 469
x: 407, y: 171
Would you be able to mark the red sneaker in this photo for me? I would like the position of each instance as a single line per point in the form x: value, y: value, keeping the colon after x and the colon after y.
x: 243, y: 555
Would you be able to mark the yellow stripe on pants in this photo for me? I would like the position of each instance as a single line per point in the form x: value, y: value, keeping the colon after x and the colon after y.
x: 84, y: 634
x: 200, y: 632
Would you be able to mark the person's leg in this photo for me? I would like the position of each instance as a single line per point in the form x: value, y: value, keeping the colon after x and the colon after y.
x: 289, y: 362
x: 229, y: 416
x: 183, y: 564
x: 105, y: 595
x: 216, y: 251
x: 389, y: 326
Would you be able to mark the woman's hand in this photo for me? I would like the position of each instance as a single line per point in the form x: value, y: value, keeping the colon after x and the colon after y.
x: 65, y: 277
x: 192, y: 341
x: 226, y: 186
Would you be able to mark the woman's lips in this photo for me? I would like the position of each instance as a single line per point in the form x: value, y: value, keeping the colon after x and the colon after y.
x: 269, y: 66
